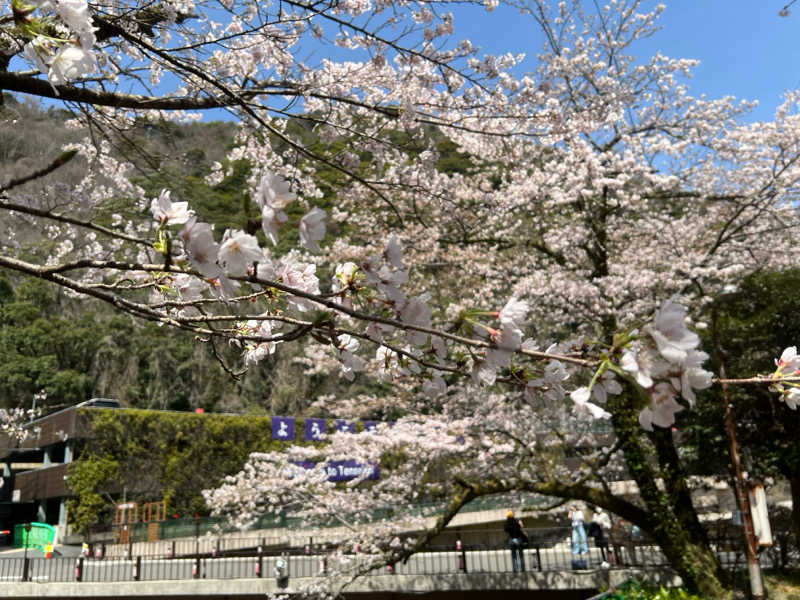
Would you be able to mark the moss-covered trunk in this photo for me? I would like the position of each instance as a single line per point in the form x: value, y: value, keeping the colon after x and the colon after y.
x: 671, y: 515
x: 794, y: 483
x: 676, y: 485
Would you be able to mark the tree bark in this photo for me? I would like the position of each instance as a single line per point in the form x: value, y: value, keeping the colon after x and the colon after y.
x: 691, y: 558
x: 794, y: 485
x: 676, y: 484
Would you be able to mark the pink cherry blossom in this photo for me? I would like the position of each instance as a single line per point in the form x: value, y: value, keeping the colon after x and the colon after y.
x: 415, y: 311
x: 507, y: 341
x: 300, y: 276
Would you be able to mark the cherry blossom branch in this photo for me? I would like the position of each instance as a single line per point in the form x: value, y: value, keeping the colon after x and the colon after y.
x: 756, y: 380
x: 46, y: 214
x: 61, y: 160
x: 52, y: 273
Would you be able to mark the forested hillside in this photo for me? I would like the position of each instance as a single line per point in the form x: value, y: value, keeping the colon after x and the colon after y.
x: 76, y: 348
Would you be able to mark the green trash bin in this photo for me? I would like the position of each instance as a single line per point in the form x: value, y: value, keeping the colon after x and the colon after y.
x: 40, y: 535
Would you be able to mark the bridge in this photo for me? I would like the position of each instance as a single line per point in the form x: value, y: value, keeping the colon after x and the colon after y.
x: 567, y: 584
x: 240, y: 569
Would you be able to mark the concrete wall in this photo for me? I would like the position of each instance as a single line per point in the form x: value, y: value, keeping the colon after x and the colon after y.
x: 369, y: 585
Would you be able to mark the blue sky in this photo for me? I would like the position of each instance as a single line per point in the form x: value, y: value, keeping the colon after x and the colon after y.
x: 745, y: 49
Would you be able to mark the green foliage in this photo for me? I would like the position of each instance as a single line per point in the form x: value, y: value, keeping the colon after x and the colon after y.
x: 86, y: 479
x: 39, y: 350
x: 78, y: 349
x: 753, y: 325
x: 631, y: 590
x: 153, y: 455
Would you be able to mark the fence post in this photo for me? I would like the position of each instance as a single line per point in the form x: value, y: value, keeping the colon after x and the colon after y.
x: 79, y: 569
x: 26, y: 568
x: 137, y: 568
x: 196, y: 567
x: 538, y: 558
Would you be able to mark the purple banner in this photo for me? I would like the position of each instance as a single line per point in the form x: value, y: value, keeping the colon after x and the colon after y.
x: 314, y: 429
x: 282, y: 428
x: 344, y: 470
x: 370, y: 426
x: 345, y: 426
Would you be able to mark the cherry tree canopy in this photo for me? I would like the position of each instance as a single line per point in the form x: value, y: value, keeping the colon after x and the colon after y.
x: 509, y: 302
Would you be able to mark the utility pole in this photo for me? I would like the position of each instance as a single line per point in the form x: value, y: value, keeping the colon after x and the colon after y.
x: 739, y: 488
x: 742, y: 499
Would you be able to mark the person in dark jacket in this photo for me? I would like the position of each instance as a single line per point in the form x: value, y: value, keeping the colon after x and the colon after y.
x: 516, y: 541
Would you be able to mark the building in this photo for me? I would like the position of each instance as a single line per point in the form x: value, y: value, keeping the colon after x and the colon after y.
x: 35, y: 470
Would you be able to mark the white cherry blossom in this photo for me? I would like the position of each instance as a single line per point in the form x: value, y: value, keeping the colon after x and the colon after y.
x: 274, y: 191
x: 514, y: 313
x: 170, y: 213
x: 585, y: 409
x: 789, y: 361
x: 662, y: 408
x: 200, y: 247
x: 271, y: 220
x: 673, y: 339
x: 312, y: 229
x: 792, y: 398
x: 394, y: 253
x: 238, y: 252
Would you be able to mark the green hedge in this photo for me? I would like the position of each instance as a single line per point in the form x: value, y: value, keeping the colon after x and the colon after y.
x: 631, y: 590
x: 147, y: 455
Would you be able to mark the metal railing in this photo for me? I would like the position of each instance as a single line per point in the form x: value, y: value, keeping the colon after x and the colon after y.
x: 626, y: 550
x: 237, y: 558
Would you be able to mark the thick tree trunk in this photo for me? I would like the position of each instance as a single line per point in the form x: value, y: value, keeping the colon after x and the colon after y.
x: 691, y: 558
x: 794, y: 483
x: 676, y: 485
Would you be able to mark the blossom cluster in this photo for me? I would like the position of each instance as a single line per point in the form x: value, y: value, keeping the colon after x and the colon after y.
x: 238, y: 253
x: 786, y: 367
x: 665, y: 361
x: 66, y: 55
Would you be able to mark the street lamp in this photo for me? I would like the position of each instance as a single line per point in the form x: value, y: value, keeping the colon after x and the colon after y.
x: 27, y: 528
